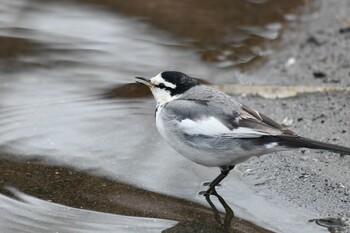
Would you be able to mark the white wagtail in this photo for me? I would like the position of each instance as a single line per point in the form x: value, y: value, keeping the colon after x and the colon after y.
x: 212, y: 129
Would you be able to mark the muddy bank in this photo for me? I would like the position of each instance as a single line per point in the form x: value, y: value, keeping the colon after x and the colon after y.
x: 80, y: 190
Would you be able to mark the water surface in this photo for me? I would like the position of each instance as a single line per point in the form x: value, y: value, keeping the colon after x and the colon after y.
x: 64, y: 139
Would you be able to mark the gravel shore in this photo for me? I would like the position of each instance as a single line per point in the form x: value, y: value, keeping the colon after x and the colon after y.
x: 316, y: 54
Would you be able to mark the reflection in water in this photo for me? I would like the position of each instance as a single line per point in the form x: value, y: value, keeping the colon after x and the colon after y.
x: 24, y: 213
x: 81, y: 190
x: 88, y: 44
x: 228, y: 32
x: 226, y: 224
x: 130, y: 90
x: 334, y: 225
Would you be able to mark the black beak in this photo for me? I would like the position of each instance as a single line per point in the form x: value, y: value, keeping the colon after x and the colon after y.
x: 144, y: 81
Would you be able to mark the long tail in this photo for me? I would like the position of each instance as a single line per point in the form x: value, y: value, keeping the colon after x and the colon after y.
x: 297, y: 142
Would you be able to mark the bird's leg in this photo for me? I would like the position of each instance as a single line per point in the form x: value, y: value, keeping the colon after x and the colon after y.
x: 224, y: 172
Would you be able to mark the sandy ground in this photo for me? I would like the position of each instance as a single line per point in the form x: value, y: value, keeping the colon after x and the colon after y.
x: 316, y: 54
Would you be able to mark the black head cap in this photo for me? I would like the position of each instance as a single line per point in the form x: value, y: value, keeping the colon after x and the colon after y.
x: 182, y: 81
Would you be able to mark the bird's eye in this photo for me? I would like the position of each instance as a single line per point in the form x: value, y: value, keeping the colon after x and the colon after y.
x: 161, y: 85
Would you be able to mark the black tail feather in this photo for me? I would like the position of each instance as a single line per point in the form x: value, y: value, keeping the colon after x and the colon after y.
x: 297, y: 142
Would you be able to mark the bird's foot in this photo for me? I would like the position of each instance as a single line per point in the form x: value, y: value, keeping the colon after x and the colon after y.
x: 202, y: 193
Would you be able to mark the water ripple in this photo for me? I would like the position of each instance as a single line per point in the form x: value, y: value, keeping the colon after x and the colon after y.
x: 25, y: 213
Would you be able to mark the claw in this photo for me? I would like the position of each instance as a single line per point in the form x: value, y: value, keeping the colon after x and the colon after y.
x: 207, y: 183
x: 202, y: 193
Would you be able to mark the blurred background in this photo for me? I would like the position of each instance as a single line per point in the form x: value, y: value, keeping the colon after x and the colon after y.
x: 76, y: 131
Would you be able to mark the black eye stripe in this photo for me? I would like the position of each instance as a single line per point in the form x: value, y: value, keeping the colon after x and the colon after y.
x: 162, y: 86
x: 181, y: 82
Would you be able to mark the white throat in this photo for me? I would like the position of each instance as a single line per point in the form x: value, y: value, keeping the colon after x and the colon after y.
x: 162, y: 96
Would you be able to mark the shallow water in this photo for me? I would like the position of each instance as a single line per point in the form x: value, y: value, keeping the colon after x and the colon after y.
x: 59, y: 218
x: 59, y: 63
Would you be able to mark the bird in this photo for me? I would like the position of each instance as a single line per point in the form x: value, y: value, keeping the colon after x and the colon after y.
x: 213, y: 129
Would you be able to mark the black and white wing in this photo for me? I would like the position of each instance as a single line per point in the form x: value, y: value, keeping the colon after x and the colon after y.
x: 197, y: 117
x: 254, y: 119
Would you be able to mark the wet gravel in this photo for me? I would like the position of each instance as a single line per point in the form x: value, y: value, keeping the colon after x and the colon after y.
x: 318, y: 54
x: 315, y: 50
x: 313, y: 180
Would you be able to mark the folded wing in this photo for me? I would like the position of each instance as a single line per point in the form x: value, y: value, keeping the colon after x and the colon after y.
x: 201, y: 118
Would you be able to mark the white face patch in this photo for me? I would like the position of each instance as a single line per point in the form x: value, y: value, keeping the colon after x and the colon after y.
x: 156, y: 80
x: 162, y: 95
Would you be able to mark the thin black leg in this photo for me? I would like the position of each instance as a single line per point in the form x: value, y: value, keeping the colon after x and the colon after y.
x: 224, y: 172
